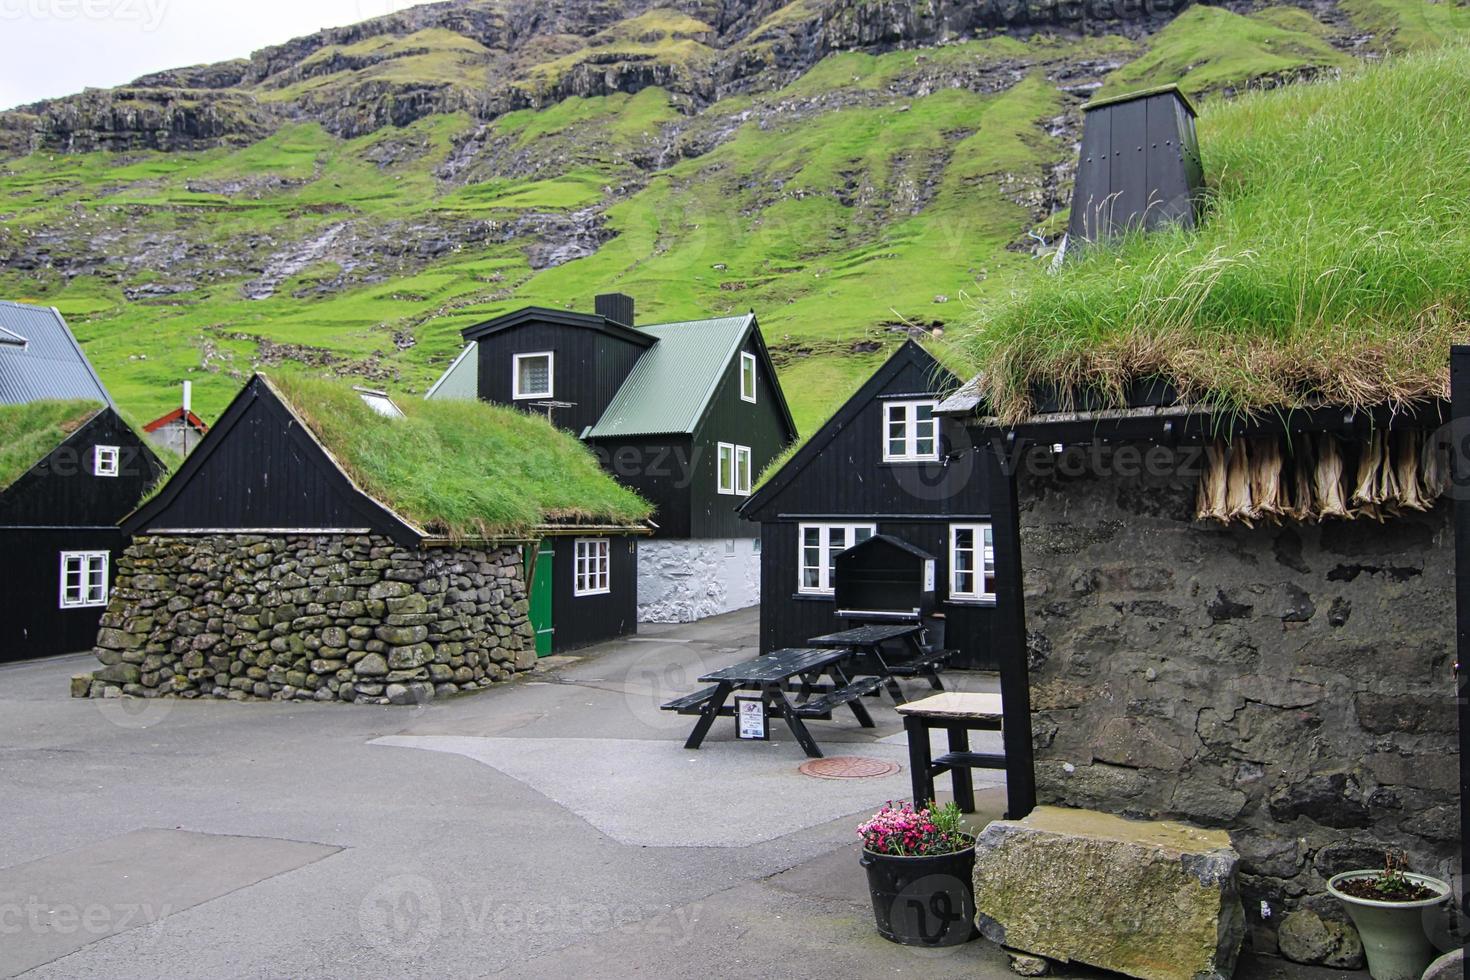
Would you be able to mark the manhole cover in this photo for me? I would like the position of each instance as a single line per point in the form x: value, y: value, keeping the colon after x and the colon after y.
x: 848, y: 767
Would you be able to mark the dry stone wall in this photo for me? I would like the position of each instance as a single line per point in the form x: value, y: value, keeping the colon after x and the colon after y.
x: 1291, y: 684
x: 309, y: 617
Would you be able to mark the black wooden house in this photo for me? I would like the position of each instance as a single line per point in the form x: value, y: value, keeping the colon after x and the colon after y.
x: 686, y: 413
x: 884, y: 464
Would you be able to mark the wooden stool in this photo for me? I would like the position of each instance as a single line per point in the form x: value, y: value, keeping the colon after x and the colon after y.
x: 958, y: 714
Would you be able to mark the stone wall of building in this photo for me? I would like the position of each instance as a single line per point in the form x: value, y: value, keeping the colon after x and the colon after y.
x: 1292, y: 684
x: 682, y: 581
x: 309, y: 617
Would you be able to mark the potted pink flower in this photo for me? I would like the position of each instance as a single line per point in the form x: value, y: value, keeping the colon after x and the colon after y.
x: 920, y: 865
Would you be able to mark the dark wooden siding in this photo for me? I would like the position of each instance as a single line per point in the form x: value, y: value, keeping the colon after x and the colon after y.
x: 849, y: 476
x: 583, y: 620
x: 789, y: 619
x: 64, y: 490
x: 661, y: 469
x: 731, y: 419
x: 259, y: 469
x: 588, y: 369
x: 32, y: 622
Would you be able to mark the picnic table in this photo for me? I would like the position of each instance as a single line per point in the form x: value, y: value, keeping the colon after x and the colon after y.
x: 914, y: 661
x: 772, y: 675
x: 958, y: 714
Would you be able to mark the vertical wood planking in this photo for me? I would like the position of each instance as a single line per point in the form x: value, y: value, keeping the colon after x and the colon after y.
x: 1460, y: 469
x: 1009, y: 638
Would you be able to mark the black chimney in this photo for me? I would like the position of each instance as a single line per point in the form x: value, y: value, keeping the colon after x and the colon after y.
x: 1139, y: 167
x: 616, y: 307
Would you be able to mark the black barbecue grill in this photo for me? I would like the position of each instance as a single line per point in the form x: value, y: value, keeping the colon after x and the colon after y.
x: 887, y: 580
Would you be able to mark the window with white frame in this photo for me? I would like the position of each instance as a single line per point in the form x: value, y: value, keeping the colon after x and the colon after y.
x: 747, y: 377
x: 105, y: 460
x: 818, y: 545
x: 971, y: 562
x: 532, y: 375
x: 910, y: 432
x: 83, y: 579
x: 732, y: 469
x: 592, y: 567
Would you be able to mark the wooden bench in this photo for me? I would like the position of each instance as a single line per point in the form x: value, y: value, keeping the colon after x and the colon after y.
x: 690, y: 704
x: 821, y: 707
x: 958, y: 713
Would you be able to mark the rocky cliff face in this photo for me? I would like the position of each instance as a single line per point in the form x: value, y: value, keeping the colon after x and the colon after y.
x: 488, y: 58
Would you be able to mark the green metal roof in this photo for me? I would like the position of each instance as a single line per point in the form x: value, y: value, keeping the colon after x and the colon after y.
x: 673, y: 381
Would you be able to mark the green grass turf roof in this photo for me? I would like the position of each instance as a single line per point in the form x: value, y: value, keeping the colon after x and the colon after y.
x: 30, y: 431
x: 463, y: 469
x: 1330, y: 266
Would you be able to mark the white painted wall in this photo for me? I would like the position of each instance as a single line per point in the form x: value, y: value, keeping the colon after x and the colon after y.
x: 681, y: 581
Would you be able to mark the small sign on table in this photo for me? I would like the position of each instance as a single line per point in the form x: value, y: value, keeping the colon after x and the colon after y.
x: 750, y: 717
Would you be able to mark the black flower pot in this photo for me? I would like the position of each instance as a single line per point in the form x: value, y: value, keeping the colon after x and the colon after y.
x: 923, y: 901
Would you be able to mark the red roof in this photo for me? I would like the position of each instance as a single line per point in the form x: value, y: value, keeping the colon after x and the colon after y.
x: 174, y: 416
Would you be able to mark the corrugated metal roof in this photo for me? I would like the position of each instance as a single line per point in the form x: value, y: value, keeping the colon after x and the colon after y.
x: 50, y: 365
x: 461, y: 379
x: 669, y: 387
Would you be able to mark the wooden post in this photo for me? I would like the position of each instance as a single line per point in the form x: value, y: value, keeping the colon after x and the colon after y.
x: 1008, y: 631
x: 1460, y: 473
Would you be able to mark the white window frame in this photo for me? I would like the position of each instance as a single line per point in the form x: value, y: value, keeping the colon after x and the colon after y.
x: 827, y: 556
x: 724, y: 451
x: 88, y: 562
x: 907, y: 412
x: 515, y: 375
x: 106, y: 460
x: 742, y: 471
x: 747, y: 360
x: 592, y: 567
x: 983, y: 561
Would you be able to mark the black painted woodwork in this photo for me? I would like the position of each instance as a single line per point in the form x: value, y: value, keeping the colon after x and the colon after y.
x: 584, y: 620
x: 1460, y: 470
x: 838, y: 476
x: 60, y: 504
x: 884, y: 577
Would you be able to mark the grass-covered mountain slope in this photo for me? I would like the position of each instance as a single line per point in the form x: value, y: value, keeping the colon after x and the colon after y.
x: 853, y: 170
x: 1329, y: 268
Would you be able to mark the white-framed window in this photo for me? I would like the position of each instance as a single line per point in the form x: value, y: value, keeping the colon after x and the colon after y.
x: 971, y: 562
x: 592, y: 567
x: 747, y: 377
x: 817, y: 546
x: 105, y: 460
x: 910, y: 432
x: 732, y: 467
x: 83, y: 579
x: 531, y: 376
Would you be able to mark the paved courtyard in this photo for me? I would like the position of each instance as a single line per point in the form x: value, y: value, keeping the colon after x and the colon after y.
x: 554, y: 827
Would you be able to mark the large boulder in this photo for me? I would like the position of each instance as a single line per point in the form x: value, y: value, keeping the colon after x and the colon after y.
x: 1305, y: 937
x: 1147, y: 899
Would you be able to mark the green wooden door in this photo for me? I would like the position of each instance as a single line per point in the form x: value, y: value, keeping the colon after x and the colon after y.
x: 538, y: 573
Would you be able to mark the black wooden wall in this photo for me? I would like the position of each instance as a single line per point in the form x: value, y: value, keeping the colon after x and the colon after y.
x: 259, y: 469
x: 662, y: 470
x: 840, y: 477
x: 584, y: 620
x: 32, y: 622
x: 64, y: 490
x: 761, y: 426
x: 589, y: 367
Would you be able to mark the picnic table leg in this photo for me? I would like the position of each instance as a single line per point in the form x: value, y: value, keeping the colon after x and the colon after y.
x: 921, y: 777
x: 798, y: 728
x: 889, y: 681
x: 964, y: 781
x: 708, y: 712
x: 839, y: 680
x: 932, y: 674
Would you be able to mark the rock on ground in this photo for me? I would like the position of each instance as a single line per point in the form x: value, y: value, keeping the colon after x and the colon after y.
x: 1151, y: 900
x: 1450, y: 966
x: 1305, y: 937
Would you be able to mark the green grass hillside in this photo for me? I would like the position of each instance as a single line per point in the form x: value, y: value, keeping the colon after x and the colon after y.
x: 871, y: 196
x: 1330, y: 265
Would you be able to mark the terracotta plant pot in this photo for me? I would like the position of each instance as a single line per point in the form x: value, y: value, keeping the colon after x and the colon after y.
x: 923, y: 901
x: 1393, y: 933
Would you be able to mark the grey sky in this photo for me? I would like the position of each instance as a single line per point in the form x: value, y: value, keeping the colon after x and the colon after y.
x: 57, y: 47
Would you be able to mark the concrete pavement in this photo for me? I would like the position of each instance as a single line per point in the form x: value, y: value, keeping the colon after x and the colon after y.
x: 554, y: 827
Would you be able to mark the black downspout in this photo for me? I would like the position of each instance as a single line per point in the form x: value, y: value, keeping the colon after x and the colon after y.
x: 1008, y: 630
x: 1460, y: 471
